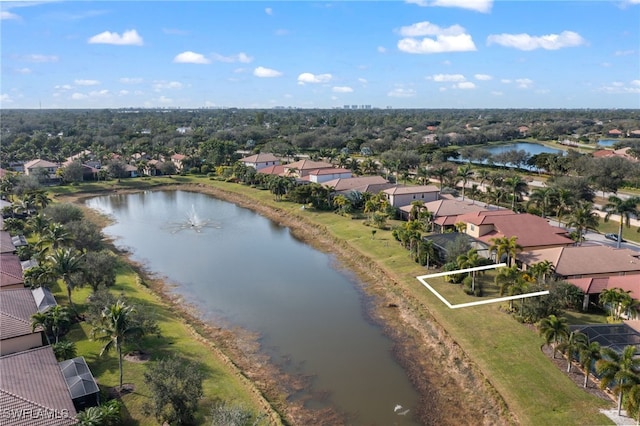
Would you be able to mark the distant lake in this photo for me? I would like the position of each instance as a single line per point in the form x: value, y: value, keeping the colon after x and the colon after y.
x: 530, y: 148
x: 607, y: 142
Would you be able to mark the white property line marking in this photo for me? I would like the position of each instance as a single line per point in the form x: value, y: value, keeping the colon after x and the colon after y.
x: 422, y: 279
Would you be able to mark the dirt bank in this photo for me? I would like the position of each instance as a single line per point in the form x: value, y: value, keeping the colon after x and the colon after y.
x: 452, y: 390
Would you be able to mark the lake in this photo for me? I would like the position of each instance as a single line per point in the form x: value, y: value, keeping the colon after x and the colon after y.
x: 241, y: 269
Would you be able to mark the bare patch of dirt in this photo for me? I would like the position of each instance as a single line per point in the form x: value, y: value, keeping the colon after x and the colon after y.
x: 119, y: 391
x: 137, y: 357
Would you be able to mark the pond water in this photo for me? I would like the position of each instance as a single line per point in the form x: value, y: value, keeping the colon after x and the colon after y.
x: 530, y: 148
x: 239, y: 267
x: 607, y: 142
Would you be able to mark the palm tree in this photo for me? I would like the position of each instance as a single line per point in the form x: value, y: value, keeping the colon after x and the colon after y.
x: 510, y: 281
x: 517, y: 186
x: 563, y: 199
x: 620, y: 370
x: 441, y: 173
x: 65, y: 263
x: 588, y: 355
x: 542, y: 198
x: 542, y: 270
x: 505, y: 246
x: 38, y: 224
x: 56, y: 236
x: 484, y: 176
x: 471, y: 259
x: 573, y: 345
x: 115, y: 327
x: 554, y: 330
x: 623, y: 208
x: 60, y: 319
x: 464, y: 173
x: 416, y: 209
x: 64, y: 350
x: 41, y: 319
x: 583, y: 218
x: 616, y: 301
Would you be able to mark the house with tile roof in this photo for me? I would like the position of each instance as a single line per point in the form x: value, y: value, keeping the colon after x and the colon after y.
x: 302, y: 168
x: 261, y: 160
x: 178, y: 160
x: 585, y: 261
x: 6, y: 243
x: 11, y: 277
x: 16, y: 333
x: 402, y: 195
x: 445, y: 211
x: 34, y: 391
x: 370, y: 184
x: 32, y: 166
x: 593, y: 286
x: 277, y: 170
x: 532, y: 232
x: 325, y: 175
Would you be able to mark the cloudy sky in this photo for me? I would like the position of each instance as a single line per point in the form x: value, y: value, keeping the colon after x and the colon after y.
x: 308, y: 54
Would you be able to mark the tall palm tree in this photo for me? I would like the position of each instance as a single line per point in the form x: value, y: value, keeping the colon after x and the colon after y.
x: 554, y: 330
x: 505, y: 246
x: 41, y: 319
x: 620, y: 370
x: 626, y: 209
x: 517, y: 186
x: 572, y: 346
x: 588, y: 355
x: 65, y: 263
x: 583, y: 218
x: 57, y: 236
x: 441, y: 173
x: 416, y: 209
x: 38, y: 224
x: 483, y: 175
x: 464, y: 173
x: 60, y: 319
x: 542, y: 270
x: 115, y: 327
x: 541, y: 198
x: 510, y: 281
x: 563, y: 199
x: 470, y: 259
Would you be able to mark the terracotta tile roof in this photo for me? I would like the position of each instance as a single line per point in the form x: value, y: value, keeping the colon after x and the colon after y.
x: 178, y: 157
x: 331, y: 171
x: 452, y: 207
x: 16, y: 308
x: 260, y: 158
x: 586, y: 260
x: 308, y: 165
x: 32, y: 380
x: 6, y: 243
x: 484, y: 217
x: 590, y: 285
x: 39, y: 163
x: 10, y: 270
x: 419, y: 189
x: 272, y: 170
x: 531, y: 230
x: 347, y: 184
x: 596, y: 285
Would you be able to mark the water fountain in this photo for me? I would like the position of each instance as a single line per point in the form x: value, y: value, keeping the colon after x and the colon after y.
x: 193, y: 221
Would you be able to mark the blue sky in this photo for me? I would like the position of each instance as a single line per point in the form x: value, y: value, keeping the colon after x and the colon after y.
x: 308, y: 54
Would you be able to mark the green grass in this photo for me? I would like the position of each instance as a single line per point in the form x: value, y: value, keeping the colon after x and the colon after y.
x: 177, y: 337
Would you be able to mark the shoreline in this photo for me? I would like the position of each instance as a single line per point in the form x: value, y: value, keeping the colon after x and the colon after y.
x: 438, y: 369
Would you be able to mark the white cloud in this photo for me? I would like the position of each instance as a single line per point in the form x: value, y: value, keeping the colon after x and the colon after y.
x: 240, y: 57
x: 624, y: 52
x: 442, y: 43
x: 268, y: 11
x: 483, y: 6
x: 123, y: 92
x: 282, y: 32
x: 4, y: 98
x: 465, y: 85
x: 130, y: 80
x: 160, y: 85
x: 618, y: 87
x: 524, y: 83
x: 635, y: 83
x: 165, y: 100
x: 483, y: 77
x: 606, y: 64
x: 63, y: 87
x: 307, y: 77
x: 427, y: 28
x: 497, y: 93
x: 40, y: 58
x: 79, y: 96
x: 174, y: 31
x: 266, y: 72
x: 382, y: 49
x: 362, y: 80
x: 99, y: 93
x: 189, y: 57
x: 445, y: 78
x: 547, y: 42
x: 402, y: 93
x: 128, y: 38
x: 24, y: 71
x: 87, y: 82
x: 5, y: 15
x: 505, y: 81
x: 342, y: 89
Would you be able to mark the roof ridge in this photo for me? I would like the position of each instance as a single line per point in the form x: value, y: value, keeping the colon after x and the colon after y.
x: 15, y: 317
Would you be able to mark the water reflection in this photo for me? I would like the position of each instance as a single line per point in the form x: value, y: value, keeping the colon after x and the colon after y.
x: 252, y: 273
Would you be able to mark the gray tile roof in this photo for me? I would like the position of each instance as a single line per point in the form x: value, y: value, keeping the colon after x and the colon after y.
x: 16, y: 308
x: 33, y: 383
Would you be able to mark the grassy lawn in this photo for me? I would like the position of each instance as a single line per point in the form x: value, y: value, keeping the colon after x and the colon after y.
x: 507, y: 352
x: 177, y: 337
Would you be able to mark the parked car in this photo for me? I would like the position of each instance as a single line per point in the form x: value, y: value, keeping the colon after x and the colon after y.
x: 613, y: 237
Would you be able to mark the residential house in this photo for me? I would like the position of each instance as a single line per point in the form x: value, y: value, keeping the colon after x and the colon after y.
x: 532, y: 232
x: 11, y: 277
x: 31, y: 167
x: 593, y: 286
x: 325, y: 175
x: 401, y: 195
x: 86, y: 157
x: 6, y: 243
x: 16, y: 333
x: 302, y: 168
x: 370, y: 184
x: 277, y: 170
x: 184, y: 130
x: 622, y: 153
x: 260, y: 161
x: 178, y: 161
x: 130, y: 171
x: 44, y: 298
x: 445, y: 211
x: 585, y: 261
x: 32, y: 382
x: 614, y: 133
